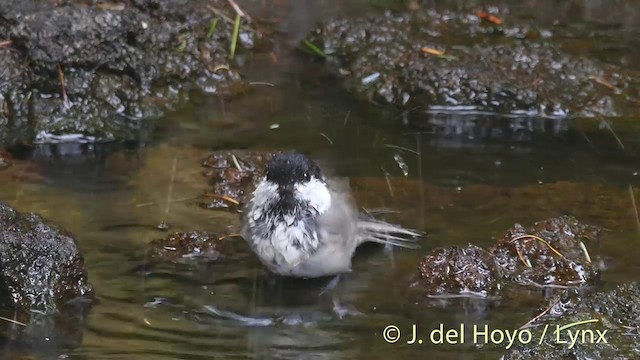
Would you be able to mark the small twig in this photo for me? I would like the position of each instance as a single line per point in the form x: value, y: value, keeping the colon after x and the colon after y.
x: 223, y: 197
x: 228, y: 236
x: 464, y: 294
x: 65, y: 99
x: 602, y: 82
x: 238, y: 10
x: 236, y: 163
x: 386, y: 176
x: 5, y: 43
x: 526, y: 262
x: 401, y: 148
x: 261, y: 83
x: 228, y: 19
x: 535, y: 318
x: 172, y: 201
x: 606, y: 123
x: 635, y: 208
x: 221, y: 14
x: 547, y: 286
x: 586, y: 253
x: 346, y: 118
x: 13, y: 321
x: 273, y: 57
x: 326, y: 137
x: 170, y: 190
x: 539, y: 239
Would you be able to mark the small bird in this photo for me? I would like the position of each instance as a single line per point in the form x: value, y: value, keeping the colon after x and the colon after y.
x: 301, y: 224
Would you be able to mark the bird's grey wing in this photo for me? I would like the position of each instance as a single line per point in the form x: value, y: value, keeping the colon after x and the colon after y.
x: 336, y: 230
x: 339, y: 222
x: 368, y: 228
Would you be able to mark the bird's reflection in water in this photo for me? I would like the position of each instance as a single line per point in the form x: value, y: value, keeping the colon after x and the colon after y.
x: 307, y: 301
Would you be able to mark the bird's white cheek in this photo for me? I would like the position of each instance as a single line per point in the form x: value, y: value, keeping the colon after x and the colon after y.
x: 316, y: 193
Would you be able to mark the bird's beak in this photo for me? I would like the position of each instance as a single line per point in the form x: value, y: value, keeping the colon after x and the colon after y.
x: 286, y: 189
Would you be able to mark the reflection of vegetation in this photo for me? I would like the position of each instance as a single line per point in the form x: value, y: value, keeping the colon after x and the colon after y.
x: 311, y: 48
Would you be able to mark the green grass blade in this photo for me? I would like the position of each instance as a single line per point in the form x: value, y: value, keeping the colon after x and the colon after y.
x: 212, y: 28
x: 316, y: 50
x: 234, y: 39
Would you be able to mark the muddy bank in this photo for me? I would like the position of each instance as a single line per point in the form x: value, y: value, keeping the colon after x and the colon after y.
x: 435, y: 57
x: 90, y: 72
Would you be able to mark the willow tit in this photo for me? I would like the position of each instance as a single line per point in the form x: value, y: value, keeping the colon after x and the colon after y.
x: 301, y: 224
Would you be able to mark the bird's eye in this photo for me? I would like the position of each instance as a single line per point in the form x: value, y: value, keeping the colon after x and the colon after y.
x: 307, y: 176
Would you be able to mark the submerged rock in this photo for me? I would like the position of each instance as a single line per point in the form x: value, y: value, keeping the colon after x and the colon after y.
x: 451, y: 58
x: 524, y: 257
x: 612, y: 332
x: 95, y: 72
x: 550, y: 254
x: 194, y: 244
x: 470, y: 271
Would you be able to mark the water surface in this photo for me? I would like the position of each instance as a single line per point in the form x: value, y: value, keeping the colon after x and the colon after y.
x: 481, y: 173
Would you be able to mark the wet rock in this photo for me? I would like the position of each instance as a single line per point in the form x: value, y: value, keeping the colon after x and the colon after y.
x: 389, y: 59
x: 119, y: 64
x: 194, y: 244
x: 617, y: 318
x: 526, y: 259
x: 521, y: 257
x: 42, y: 268
x: 232, y: 175
x: 450, y: 271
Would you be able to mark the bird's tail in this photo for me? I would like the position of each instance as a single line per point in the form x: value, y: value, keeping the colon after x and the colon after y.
x: 373, y: 230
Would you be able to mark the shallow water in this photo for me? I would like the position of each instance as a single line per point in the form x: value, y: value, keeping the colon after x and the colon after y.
x: 483, y: 173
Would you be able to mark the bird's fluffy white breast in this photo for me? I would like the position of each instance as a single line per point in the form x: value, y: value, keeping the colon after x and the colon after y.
x: 262, y: 196
x: 316, y: 193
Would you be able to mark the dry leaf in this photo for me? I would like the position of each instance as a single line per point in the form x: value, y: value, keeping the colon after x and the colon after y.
x: 432, y: 51
x: 489, y: 17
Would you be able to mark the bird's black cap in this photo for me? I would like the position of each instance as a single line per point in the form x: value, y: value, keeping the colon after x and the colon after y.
x: 290, y: 168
